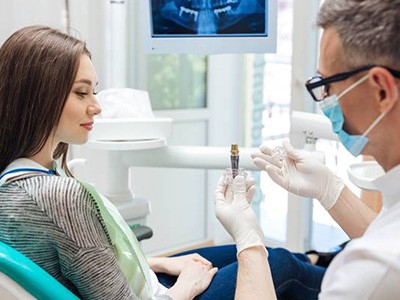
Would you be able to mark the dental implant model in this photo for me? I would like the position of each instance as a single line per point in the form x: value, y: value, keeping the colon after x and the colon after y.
x: 278, y: 153
x: 234, y: 160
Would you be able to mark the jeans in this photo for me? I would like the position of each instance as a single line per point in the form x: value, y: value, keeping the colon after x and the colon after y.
x: 294, y: 277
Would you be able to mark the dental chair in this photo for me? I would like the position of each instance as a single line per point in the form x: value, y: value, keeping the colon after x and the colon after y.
x: 22, y: 279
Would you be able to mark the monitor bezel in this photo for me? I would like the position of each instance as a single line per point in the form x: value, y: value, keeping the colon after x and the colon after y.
x: 209, y: 45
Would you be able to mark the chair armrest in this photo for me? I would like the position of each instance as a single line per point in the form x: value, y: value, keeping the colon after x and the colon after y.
x: 141, y: 232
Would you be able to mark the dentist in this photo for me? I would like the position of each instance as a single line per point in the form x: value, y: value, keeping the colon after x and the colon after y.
x: 357, y: 88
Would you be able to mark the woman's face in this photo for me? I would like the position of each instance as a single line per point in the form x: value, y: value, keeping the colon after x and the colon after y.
x: 77, y: 117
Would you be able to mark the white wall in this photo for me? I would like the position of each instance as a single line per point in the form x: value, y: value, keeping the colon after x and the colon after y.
x: 87, y: 21
x: 19, y: 13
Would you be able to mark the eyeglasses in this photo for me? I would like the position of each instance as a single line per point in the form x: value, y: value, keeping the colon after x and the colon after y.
x: 318, y: 87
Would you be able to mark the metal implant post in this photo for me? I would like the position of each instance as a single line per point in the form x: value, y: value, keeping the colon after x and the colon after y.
x: 234, y: 160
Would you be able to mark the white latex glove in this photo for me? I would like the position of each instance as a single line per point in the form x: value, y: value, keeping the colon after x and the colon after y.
x: 301, y: 174
x: 234, y: 212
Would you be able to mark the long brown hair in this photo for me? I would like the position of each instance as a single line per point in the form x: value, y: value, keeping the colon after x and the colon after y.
x: 38, y: 66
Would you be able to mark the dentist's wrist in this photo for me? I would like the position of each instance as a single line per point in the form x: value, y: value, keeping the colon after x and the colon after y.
x: 249, y: 239
x: 332, y: 193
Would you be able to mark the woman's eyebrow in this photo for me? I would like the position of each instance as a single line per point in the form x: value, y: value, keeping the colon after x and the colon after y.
x: 87, y: 81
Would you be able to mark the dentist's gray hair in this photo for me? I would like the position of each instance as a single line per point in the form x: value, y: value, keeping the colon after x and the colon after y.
x: 369, y: 30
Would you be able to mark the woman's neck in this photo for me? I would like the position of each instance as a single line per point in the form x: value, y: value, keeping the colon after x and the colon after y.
x: 45, y: 156
x: 43, y: 161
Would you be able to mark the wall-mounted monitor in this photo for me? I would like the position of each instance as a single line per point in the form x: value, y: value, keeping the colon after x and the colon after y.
x: 209, y: 26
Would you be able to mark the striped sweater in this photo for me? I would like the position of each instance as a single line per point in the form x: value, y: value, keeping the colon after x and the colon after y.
x: 54, y: 222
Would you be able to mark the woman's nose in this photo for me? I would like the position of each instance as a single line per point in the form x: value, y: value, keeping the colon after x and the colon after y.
x: 97, y: 109
x: 94, y: 108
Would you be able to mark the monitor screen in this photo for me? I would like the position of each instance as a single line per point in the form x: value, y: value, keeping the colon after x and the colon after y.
x: 210, y: 26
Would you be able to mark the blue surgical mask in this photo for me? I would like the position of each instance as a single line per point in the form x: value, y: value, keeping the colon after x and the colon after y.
x: 355, y: 144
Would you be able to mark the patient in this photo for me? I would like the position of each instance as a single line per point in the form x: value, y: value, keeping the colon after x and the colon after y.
x: 47, y: 101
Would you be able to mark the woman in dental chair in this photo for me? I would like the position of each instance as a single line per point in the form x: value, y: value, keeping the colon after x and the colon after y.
x: 47, y: 101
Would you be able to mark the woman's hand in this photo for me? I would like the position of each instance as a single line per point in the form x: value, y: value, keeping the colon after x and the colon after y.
x: 175, y: 265
x: 192, y: 281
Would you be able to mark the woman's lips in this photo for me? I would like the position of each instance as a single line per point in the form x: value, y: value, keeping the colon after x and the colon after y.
x: 88, y: 126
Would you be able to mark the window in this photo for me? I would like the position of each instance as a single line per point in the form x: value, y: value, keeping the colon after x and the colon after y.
x: 177, y: 81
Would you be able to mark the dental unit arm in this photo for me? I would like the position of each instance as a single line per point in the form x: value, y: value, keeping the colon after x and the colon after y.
x: 155, y: 153
x: 117, y: 145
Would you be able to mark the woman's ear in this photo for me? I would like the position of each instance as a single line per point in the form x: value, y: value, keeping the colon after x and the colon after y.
x: 386, y: 88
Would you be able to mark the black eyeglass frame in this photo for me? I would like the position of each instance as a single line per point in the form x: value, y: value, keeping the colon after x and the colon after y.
x: 339, y: 77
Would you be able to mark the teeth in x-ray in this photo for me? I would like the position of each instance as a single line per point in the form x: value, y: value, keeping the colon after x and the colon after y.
x: 205, y: 4
x: 192, y: 13
x: 231, y: 1
x: 225, y: 10
x: 207, y: 16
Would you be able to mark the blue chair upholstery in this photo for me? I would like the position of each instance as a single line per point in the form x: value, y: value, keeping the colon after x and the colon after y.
x: 30, y: 276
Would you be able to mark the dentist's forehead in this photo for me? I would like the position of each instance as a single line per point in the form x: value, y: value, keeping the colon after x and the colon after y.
x: 331, y: 58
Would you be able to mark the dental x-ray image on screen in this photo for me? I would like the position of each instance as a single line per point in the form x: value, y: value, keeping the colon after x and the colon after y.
x: 209, y: 26
x: 209, y: 17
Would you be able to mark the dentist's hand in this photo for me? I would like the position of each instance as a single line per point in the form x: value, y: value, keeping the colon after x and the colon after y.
x: 234, y: 212
x: 301, y: 174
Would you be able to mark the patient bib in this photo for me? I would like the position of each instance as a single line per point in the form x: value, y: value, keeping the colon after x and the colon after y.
x: 127, y: 249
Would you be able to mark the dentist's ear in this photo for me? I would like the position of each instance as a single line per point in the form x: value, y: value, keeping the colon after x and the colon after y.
x: 386, y: 88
